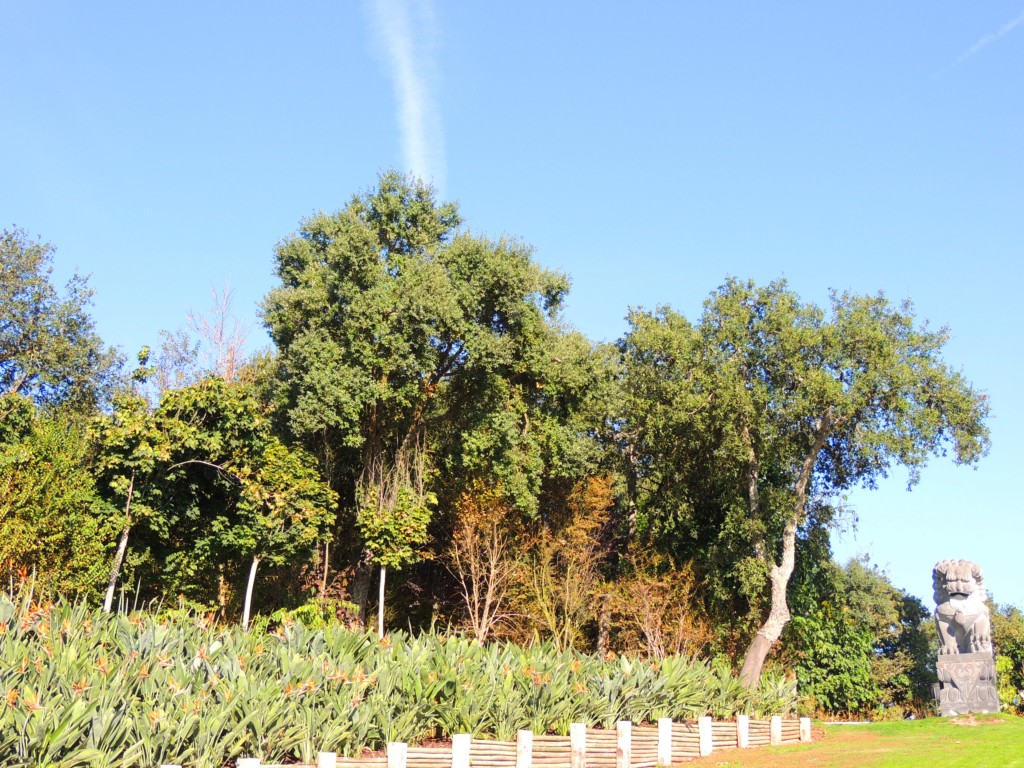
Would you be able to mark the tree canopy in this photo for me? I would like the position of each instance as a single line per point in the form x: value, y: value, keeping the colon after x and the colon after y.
x: 427, y: 409
x: 407, y: 346
x: 775, y: 405
x: 49, y: 350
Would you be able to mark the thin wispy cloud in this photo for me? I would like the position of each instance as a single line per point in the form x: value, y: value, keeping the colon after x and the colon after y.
x: 990, y: 38
x: 405, y: 31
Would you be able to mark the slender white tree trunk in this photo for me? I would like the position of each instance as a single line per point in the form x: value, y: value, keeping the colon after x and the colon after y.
x: 122, y: 545
x: 327, y: 562
x: 248, y: 594
x: 380, y: 604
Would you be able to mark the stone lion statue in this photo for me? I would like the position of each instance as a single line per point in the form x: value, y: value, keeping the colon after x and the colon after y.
x: 960, y: 613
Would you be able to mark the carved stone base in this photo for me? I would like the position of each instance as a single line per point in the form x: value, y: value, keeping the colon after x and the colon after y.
x: 967, y: 683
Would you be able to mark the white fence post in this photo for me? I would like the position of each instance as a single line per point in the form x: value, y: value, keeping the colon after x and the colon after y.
x: 577, y: 745
x: 805, y: 729
x: 775, y: 730
x: 623, y: 743
x: 705, y: 735
x: 326, y: 760
x: 524, y: 749
x: 742, y: 731
x: 248, y: 762
x: 664, y: 741
x: 460, y: 750
x: 170, y: 765
x: 398, y: 753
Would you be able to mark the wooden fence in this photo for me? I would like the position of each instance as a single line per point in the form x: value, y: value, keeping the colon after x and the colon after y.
x: 628, y: 746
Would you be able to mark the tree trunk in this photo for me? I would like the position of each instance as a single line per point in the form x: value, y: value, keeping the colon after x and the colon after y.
x: 222, y: 588
x: 122, y: 546
x: 604, y: 625
x: 360, y: 590
x: 327, y: 563
x: 248, y: 594
x: 380, y: 604
x: 778, y: 615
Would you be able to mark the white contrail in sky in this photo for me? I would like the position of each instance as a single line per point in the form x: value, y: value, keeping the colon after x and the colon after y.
x: 405, y: 30
x: 990, y: 38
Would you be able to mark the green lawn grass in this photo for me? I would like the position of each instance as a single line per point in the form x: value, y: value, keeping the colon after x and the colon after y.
x: 984, y: 741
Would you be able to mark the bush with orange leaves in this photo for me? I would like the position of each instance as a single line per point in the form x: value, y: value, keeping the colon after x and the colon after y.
x: 655, y: 608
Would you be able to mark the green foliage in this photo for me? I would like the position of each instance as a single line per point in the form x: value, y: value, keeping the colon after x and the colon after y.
x: 739, y: 429
x: 142, y: 690
x: 1008, y: 638
x: 54, y: 523
x: 49, y: 351
x: 858, y: 644
x: 210, y: 486
x: 398, y: 333
x: 394, y: 536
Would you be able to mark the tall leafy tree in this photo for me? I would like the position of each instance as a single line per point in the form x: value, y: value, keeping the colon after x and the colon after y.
x: 407, y: 345
x: 133, y: 451
x: 49, y: 349
x: 778, y: 405
x: 209, y: 487
x: 232, y: 492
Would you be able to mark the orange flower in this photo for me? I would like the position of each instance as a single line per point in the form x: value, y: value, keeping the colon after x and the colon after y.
x: 12, y: 697
x: 101, y: 665
x: 144, y: 671
x: 80, y: 687
x: 32, y: 702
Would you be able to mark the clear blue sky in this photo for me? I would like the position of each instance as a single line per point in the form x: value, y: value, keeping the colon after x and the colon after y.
x: 648, y: 149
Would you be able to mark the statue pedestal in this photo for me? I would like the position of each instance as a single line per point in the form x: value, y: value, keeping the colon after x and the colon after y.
x: 967, y: 683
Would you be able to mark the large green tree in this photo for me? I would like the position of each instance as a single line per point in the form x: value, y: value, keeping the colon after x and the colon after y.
x: 49, y: 350
x: 407, y: 346
x: 209, y: 487
x: 774, y: 406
